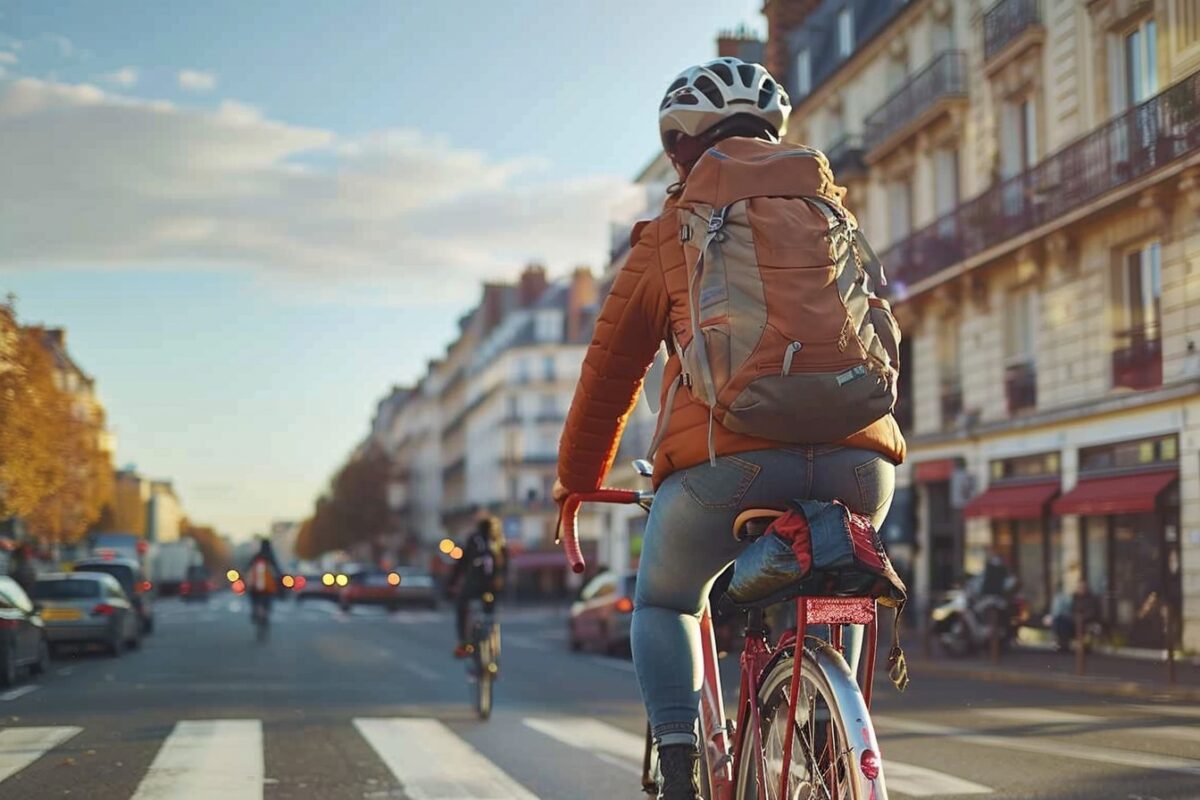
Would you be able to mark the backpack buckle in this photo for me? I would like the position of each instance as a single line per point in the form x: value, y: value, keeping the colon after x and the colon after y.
x: 717, y: 220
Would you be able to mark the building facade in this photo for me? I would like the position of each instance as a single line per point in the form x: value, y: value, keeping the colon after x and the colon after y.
x: 1030, y: 173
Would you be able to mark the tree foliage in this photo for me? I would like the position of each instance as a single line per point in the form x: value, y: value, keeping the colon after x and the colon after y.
x: 218, y: 556
x: 54, y: 470
x: 354, y: 510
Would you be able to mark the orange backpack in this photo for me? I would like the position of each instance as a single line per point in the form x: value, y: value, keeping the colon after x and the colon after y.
x: 787, y: 340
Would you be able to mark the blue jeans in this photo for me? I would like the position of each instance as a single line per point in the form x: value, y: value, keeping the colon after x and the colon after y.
x: 689, y: 542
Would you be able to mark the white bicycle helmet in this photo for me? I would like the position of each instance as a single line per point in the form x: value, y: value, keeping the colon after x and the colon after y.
x: 703, y: 97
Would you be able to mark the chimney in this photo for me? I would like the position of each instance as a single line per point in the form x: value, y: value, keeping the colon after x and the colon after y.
x: 729, y: 43
x: 581, y: 295
x: 783, y: 17
x: 492, y: 307
x: 532, y: 284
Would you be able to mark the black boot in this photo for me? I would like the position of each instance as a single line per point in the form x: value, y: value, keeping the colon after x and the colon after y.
x: 680, y: 768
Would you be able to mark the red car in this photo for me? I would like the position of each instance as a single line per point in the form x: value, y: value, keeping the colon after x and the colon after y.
x: 600, y: 617
x: 372, y: 588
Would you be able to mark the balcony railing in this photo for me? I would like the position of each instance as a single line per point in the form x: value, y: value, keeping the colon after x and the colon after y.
x: 945, y: 76
x: 846, y: 156
x: 1136, y: 143
x: 1137, y: 360
x: 1005, y: 21
x: 1020, y: 386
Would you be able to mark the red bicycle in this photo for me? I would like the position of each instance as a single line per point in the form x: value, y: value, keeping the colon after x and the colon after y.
x: 803, y: 727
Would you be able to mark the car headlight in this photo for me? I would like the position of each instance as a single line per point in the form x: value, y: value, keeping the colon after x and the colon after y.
x: 940, y: 614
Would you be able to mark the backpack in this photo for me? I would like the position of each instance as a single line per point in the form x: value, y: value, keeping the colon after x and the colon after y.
x: 786, y: 338
x: 262, y: 577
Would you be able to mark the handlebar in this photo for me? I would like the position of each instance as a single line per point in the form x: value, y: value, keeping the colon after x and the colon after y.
x: 570, y: 510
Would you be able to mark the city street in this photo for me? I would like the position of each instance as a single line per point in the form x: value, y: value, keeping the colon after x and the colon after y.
x: 370, y: 705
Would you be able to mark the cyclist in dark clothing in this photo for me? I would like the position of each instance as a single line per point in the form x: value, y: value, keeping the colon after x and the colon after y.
x: 478, y: 574
x: 262, y: 577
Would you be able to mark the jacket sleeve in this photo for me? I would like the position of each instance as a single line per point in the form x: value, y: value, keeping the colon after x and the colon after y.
x: 628, y: 333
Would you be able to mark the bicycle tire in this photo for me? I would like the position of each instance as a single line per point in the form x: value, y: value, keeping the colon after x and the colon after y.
x: 483, y: 676
x: 823, y: 674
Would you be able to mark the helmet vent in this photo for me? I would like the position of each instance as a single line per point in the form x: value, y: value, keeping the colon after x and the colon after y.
x: 710, y: 90
x: 765, y: 93
x: 723, y: 72
x: 746, y: 72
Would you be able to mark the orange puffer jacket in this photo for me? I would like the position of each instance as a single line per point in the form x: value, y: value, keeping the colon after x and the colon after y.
x: 648, y: 300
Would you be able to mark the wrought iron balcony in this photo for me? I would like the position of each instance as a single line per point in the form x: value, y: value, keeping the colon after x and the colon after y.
x: 1137, y: 359
x: 846, y: 157
x: 1143, y: 139
x: 1005, y: 21
x: 943, y: 78
x: 1020, y: 386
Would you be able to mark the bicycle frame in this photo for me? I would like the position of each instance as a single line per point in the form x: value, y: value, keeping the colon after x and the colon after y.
x: 758, y: 655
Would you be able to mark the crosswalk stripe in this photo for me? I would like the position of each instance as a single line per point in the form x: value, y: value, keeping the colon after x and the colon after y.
x: 432, y: 763
x: 20, y: 747
x: 1171, y: 711
x: 1045, y: 746
x: 594, y: 736
x: 1039, y: 716
x: 922, y: 782
x: 1173, y: 732
x: 218, y: 759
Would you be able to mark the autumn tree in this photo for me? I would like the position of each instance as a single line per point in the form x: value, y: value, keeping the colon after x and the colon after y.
x: 218, y: 556
x: 354, y: 511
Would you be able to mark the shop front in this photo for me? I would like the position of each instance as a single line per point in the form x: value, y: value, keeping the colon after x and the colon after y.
x: 1127, y: 501
x: 1017, y: 504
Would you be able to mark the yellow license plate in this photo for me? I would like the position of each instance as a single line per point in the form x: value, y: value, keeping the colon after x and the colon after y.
x: 52, y: 614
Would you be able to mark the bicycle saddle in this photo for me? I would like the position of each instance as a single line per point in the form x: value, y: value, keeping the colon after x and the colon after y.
x: 753, y: 522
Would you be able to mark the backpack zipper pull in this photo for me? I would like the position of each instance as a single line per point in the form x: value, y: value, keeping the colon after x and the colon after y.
x: 788, y: 355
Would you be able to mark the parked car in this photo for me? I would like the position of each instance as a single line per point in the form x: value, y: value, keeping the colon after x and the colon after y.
x: 132, y: 578
x: 23, y: 641
x: 372, y: 588
x: 600, y: 618
x: 87, y: 608
x: 321, y: 585
x: 196, y: 585
x: 417, y: 587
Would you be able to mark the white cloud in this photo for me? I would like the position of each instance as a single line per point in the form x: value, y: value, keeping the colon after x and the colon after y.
x: 7, y: 58
x: 98, y: 179
x: 125, y: 76
x: 195, y: 80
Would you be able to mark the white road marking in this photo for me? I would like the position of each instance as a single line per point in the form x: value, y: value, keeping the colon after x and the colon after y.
x: 207, y: 760
x: 591, y: 735
x: 434, y: 764
x: 20, y: 747
x: 20, y: 691
x: 1039, y: 716
x: 1172, y: 732
x: 526, y: 642
x: 1170, y: 711
x: 1045, y: 746
x: 64, y: 671
x: 921, y: 782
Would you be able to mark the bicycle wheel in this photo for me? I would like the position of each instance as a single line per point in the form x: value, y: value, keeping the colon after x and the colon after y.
x: 826, y: 747
x: 484, y: 675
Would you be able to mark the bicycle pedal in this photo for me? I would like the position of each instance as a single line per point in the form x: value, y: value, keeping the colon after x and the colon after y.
x: 493, y: 668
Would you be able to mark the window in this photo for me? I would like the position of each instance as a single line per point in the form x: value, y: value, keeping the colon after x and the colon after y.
x: 548, y: 367
x: 549, y: 326
x: 1139, y: 453
x: 945, y: 180
x: 950, y: 371
x: 845, y: 32
x: 942, y: 37
x: 1138, y: 292
x: 514, y: 406
x: 1187, y: 23
x: 1020, y: 325
x: 803, y: 73
x: 900, y: 208
x: 1134, y: 66
x: 1018, y: 137
x: 522, y: 370
x: 513, y: 489
x: 549, y: 406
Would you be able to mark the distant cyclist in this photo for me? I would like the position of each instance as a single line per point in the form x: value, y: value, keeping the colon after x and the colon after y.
x: 263, y: 579
x: 704, y: 471
x: 479, y: 574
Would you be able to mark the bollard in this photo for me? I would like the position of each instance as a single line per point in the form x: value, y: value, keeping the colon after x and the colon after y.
x: 1080, y: 642
x: 1168, y: 630
x: 995, y: 615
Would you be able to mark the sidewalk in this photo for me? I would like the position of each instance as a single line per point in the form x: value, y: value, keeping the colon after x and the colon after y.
x: 1105, y: 674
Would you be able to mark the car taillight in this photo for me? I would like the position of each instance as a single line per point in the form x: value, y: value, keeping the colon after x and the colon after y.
x: 625, y: 605
x: 145, y: 586
x: 103, y: 610
x: 185, y: 587
x: 9, y: 623
x: 142, y: 547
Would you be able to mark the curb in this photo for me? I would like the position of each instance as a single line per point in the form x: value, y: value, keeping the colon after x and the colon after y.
x: 1112, y: 687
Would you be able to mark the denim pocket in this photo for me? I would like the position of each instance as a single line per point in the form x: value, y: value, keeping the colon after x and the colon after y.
x: 876, y: 480
x: 721, y: 486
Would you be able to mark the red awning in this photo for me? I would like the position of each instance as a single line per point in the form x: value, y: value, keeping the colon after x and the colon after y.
x: 1013, y: 501
x: 1116, y: 494
x: 934, y: 471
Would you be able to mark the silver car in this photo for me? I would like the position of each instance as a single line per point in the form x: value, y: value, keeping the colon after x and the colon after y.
x: 87, y: 608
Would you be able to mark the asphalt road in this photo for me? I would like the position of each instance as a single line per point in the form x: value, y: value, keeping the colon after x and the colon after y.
x: 368, y: 705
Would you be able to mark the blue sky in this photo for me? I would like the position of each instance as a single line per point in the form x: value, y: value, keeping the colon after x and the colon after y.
x: 254, y: 218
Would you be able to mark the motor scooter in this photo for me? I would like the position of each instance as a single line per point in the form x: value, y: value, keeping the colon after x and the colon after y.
x: 963, y: 622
